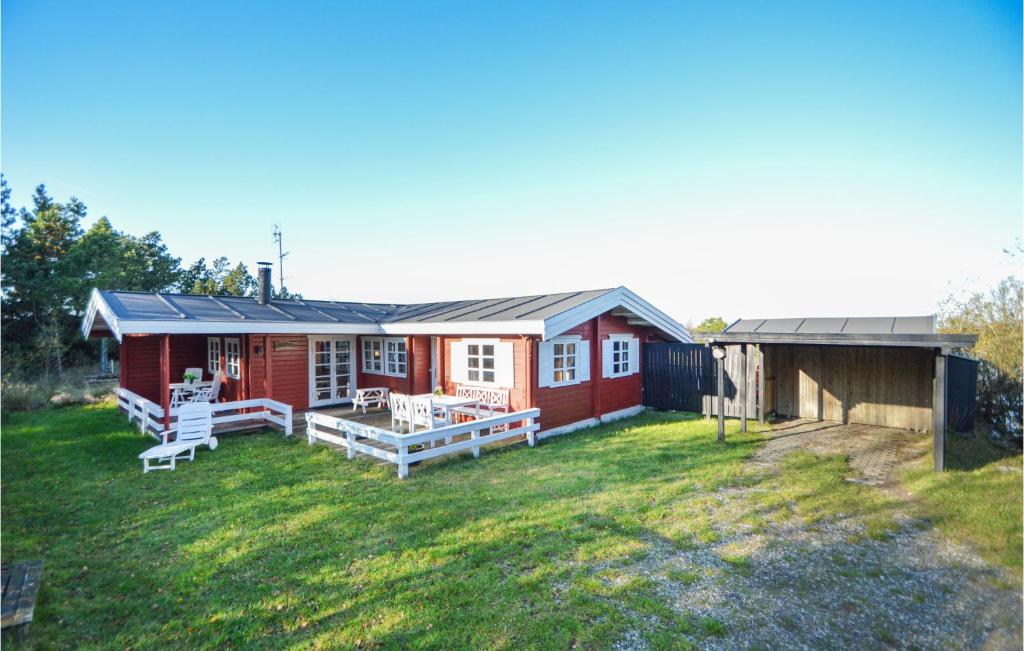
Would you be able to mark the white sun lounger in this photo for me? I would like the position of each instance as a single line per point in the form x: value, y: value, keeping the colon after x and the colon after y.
x: 194, y: 428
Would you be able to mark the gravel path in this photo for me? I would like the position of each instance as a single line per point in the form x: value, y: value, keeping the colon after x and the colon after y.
x: 828, y: 586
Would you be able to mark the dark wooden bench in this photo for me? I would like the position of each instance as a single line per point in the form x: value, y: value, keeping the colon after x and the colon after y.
x: 20, y: 587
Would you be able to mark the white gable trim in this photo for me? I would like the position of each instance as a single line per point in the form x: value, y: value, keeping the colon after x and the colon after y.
x: 99, y: 306
x: 620, y: 297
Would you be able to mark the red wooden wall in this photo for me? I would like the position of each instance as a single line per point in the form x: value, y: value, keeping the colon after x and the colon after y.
x: 277, y: 366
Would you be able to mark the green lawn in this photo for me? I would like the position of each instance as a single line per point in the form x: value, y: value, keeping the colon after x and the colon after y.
x: 977, y: 501
x: 268, y: 542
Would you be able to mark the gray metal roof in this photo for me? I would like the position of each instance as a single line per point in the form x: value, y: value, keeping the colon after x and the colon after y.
x: 540, y: 314
x: 143, y: 306
x: 536, y: 307
x: 912, y: 331
x: 916, y: 325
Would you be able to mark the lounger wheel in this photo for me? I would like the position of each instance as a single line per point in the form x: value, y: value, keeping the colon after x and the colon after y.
x: 213, y: 443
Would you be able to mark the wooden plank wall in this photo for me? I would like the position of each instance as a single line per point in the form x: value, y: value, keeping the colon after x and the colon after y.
x: 733, y: 378
x: 891, y: 387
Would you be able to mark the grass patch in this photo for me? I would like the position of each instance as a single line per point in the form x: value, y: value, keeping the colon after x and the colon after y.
x: 268, y: 542
x: 977, y: 500
x: 682, y: 576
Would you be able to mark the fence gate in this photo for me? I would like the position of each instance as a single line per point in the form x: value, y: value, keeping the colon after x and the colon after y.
x: 683, y: 377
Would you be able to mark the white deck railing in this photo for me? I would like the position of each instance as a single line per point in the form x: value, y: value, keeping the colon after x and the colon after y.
x: 150, y: 416
x: 346, y: 433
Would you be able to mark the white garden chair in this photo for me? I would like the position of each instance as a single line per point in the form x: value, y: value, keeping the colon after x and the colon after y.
x: 423, y: 414
x: 210, y: 393
x: 194, y: 428
x: 401, y: 410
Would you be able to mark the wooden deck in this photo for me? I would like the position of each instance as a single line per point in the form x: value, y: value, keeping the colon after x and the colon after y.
x: 377, y: 417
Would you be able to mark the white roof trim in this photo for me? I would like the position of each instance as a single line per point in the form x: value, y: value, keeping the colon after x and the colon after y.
x: 198, y: 326
x: 619, y: 297
x: 465, y: 328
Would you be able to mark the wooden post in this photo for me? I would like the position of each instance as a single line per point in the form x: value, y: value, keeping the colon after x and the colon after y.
x: 403, y: 465
x: 720, y: 365
x: 410, y: 364
x: 268, y: 369
x: 351, y: 452
x: 165, y: 379
x: 761, y: 373
x: 475, y: 434
x: 743, y: 388
x: 531, y: 437
x: 595, y: 367
x: 939, y: 411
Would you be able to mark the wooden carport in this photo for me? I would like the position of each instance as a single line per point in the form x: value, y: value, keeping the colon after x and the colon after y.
x: 886, y: 371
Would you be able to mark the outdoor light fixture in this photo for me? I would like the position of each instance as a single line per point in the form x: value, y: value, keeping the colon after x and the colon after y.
x: 718, y: 352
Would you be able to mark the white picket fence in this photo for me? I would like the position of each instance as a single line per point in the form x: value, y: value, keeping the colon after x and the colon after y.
x: 150, y: 416
x: 346, y: 433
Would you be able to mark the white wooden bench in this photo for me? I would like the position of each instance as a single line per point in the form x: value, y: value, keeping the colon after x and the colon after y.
x: 490, y: 402
x: 370, y: 396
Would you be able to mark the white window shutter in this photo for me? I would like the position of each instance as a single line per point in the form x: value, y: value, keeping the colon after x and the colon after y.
x: 459, y: 351
x: 634, y: 356
x: 583, y: 362
x: 504, y: 370
x: 545, y: 365
x: 606, y: 358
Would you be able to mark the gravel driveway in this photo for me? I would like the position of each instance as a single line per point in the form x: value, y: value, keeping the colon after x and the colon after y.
x: 828, y: 586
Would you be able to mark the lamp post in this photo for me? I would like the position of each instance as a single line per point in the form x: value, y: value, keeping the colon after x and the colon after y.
x: 718, y: 352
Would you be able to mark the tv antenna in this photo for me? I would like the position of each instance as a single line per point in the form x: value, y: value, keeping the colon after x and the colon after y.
x: 281, y: 253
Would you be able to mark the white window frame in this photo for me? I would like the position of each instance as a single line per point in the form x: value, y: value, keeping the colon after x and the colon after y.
x: 396, y: 361
x: 233, y: 360
x: 564, y: 342
x: 368, y: 362
x: 481, y: 367
x: 213, y: 354
x: 388, y: 348
x: 623, y: 344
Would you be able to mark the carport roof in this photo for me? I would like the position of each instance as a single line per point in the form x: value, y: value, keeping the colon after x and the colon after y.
x: 915, y: 331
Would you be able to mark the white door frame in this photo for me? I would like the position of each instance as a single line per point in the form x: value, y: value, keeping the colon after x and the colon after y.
x: 351, y: 339
x: 434, y: 376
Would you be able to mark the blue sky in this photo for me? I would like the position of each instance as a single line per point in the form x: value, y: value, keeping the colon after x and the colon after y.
x: 749, y: 159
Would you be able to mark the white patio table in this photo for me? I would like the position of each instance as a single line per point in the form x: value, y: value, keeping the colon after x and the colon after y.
x: 182, y: 392
x: 445, y: 404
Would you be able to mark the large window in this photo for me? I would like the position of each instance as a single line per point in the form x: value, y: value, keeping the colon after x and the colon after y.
x: 563, y: 362
x: 480, y: 363
x: 232, y: 358
x: 385, y: 356
x: 213, y: 354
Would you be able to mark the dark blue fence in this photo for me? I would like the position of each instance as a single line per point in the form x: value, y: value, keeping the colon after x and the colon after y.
x: 961, y: 392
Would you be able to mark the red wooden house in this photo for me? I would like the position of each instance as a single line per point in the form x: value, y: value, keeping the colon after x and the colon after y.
x: 576, y: 356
